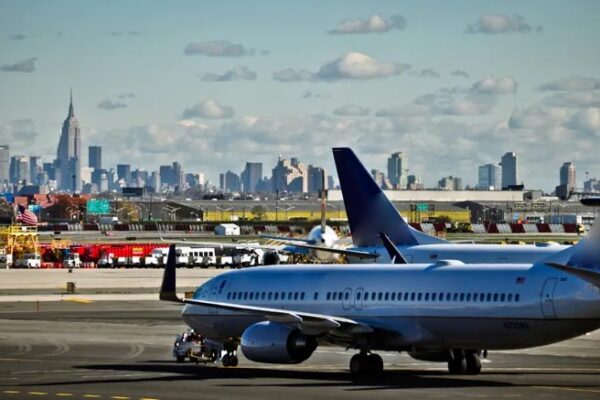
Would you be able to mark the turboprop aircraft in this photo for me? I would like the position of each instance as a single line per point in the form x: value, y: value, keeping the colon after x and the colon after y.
x: 443, y: 311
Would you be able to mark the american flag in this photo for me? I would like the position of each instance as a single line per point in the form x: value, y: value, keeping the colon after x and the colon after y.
x: 25, y: 216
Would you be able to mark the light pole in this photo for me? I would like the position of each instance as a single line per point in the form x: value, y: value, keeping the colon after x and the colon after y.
x: 223, y: 210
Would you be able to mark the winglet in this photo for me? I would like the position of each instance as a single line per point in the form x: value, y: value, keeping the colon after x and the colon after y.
x: 369, y: 210
x: 395, y: 255
x: 168, y: 289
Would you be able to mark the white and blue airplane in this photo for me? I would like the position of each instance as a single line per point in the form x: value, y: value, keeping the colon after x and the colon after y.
x: 444, y: 311
x: 370, y: 213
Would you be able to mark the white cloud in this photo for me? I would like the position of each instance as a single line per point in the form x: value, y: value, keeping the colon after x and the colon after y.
x: 108, y: 104
x: 499, y: 23
x: 210, y: 109
x: 238, y: 73
x: 293, y: 75
x: 574, y: 99
x: 587, y: 120
x: 18, y: 36
x: 20, y: 134
x: 218, y: 48
x: 355, y: 65
x: 495, y: 86
x: 27, y: 65
x: 572, y: 83
x: 461, y: 73
x: 536, y: 117
x: 351, y: 110
x: 352, y: 65
x: 426, y: 73
x: 374, y: 24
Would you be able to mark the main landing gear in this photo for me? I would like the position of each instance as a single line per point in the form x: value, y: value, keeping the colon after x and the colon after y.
x: 230, y: 359
x: 464, y: 362
x: 365, y: 363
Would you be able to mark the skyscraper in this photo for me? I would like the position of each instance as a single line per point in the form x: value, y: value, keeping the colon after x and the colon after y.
x: 510, y: 174
x: 397, y: 170
x: 251, y: 176
x: 4, y: 163
x: 290, y: 175
x: 568, y: 181
x: 19, y: 170
x: 489, y: 177
x: 68, y: 154
x: 568, y: 175
x: 124, y: 173
x: 95, y: 157
x: 316, y: 179
x: 35, y: 168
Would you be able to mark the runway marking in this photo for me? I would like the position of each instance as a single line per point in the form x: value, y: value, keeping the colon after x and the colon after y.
x: 37, y: 393
x: 120, y: 397
x: 64, y: 394
x: 148, y: 398
x: 11, y: 392
x: 79, y: 300
x: 567, y: 389
x: 92, y: 396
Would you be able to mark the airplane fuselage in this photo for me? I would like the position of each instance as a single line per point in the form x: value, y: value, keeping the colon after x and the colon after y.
x: 416, y: 307
x: 467, y: 253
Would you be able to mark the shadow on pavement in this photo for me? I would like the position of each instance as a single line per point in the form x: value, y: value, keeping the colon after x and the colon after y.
x: 407, y: 379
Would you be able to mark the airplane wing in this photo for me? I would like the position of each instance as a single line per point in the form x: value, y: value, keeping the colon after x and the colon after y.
x: 287, y: 240
x: 313, y: 323
x: 307, y: 322
x: 346, y: 252
x: 221, y: 245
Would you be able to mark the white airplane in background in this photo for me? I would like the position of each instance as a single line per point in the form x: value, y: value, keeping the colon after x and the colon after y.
x: 371, y: 213
x: 322, y: 243
x: 444, y: 311
x: 321, y: 237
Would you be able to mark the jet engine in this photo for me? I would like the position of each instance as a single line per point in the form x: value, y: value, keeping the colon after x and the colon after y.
x: 272, y: 342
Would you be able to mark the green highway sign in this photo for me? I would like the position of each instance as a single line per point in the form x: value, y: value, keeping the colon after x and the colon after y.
x: 422, y: 207
x: 98, y: 207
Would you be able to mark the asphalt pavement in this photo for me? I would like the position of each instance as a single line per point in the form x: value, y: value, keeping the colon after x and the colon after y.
x: 121, y: 350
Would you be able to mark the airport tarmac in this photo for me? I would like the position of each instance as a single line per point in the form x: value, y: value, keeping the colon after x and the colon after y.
x: 47, y: 284
x: 121, y: 350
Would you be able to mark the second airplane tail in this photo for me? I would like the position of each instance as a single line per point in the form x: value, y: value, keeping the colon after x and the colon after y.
x: 369, y: 210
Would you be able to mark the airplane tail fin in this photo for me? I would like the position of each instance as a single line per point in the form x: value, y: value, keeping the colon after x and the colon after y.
x: 167, y: 288
x: 369, y: 210
x: 582, y: 259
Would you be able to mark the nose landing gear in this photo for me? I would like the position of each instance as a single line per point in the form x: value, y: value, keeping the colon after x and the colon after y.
x: 230, y: 359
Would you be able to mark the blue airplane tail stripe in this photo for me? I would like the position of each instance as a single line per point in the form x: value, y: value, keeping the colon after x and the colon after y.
x: 369, y: 210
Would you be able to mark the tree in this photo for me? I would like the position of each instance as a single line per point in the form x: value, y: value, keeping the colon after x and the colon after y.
x: 259, y: 212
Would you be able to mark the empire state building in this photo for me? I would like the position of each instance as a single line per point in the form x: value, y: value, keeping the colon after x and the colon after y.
x: 68, y: 154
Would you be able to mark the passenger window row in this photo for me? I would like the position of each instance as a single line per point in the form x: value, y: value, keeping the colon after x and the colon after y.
x: 431, y: 297
x: 479, y: 297
x: 258, y: 296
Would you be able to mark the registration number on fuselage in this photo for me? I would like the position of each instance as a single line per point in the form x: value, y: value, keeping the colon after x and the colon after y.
x: 516, y: 325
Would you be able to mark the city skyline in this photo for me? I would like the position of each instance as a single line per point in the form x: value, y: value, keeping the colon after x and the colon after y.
x: 452, y: 88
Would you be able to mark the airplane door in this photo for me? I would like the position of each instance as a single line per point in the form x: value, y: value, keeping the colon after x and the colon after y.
x: 548, y: 298
x: 358, y: 298
x: 215, y: 291
x: 347, y: 298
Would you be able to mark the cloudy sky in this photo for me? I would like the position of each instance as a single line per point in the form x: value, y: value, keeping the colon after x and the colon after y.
x: 213, y: 84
